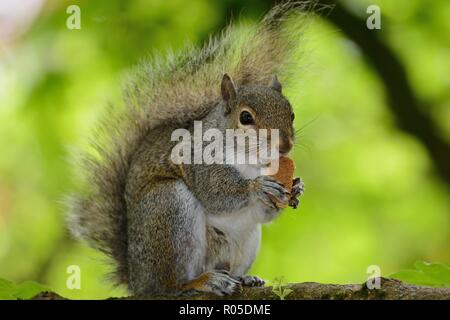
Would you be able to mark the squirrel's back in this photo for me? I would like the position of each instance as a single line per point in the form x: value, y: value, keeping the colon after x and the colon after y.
x: 176, y: 89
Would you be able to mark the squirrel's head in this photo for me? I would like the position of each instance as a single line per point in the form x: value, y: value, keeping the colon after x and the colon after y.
x: 259, y: 107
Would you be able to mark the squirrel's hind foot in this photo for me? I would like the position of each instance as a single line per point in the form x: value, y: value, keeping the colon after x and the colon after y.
x: 252, y: 281
x: 219, y: 283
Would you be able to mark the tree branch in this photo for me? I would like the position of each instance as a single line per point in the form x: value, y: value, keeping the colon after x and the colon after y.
x: 390, y: 289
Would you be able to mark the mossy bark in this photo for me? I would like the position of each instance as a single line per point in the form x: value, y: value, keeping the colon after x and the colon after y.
x: 390, y: 289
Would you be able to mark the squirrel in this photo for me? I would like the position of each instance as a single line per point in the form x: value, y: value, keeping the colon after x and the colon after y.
x: 181, y: 228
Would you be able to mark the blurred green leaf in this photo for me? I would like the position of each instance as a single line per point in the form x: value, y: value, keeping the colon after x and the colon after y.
x: 6, y: 289
x: 426, y: 274
x: 29, y: 289
x: 25, y: 290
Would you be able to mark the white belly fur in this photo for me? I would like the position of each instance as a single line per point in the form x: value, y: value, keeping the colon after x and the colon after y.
x: 243, y: 234
x: 243, y: 229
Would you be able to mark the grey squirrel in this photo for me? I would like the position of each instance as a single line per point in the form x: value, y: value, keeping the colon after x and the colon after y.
x: 169, y: 228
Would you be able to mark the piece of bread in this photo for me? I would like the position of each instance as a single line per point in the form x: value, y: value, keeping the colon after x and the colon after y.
x: 284, y: 175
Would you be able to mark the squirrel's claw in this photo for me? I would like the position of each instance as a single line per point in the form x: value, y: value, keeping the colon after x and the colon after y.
x: 298, y: 187
x: 294, y: 202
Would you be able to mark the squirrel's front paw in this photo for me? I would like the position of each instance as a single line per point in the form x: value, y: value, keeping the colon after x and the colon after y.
x: 271, y: 192
x: 298, y: 188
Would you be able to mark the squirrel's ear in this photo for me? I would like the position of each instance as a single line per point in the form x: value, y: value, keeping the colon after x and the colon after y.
x: 275, y: 84
x: 228, y: 89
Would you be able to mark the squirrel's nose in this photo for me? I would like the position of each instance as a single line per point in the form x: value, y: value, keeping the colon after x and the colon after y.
x: 285, y: 147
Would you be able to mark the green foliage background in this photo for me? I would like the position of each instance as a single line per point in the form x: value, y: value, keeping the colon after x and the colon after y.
x: 372, y: 196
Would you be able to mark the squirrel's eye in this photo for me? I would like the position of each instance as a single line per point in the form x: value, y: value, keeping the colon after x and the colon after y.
x: 293, y: 116
x: 246, y: 118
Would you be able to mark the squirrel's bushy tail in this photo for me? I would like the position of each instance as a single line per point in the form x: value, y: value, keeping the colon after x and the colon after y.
x: 176, y: 89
